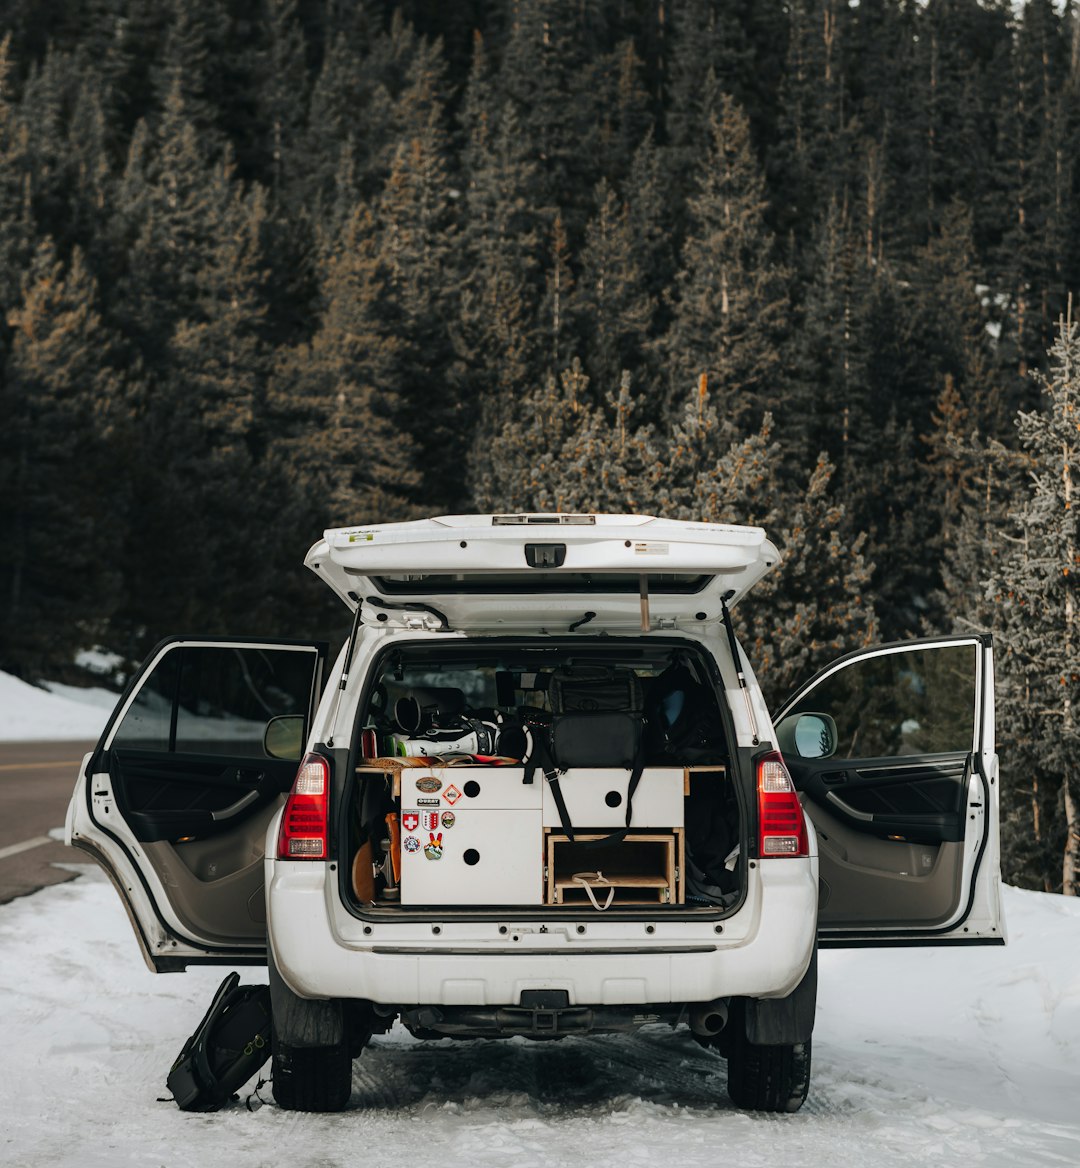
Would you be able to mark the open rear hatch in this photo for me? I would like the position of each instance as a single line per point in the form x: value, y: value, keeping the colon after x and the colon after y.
x: 542, y: 572
x: 626, y: 779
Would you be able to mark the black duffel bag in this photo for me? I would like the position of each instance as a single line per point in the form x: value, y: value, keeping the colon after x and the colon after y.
x: 597, y: 721
x: 597, y: 718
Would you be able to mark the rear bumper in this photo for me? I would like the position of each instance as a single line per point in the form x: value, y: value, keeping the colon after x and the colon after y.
x: 322, y: 951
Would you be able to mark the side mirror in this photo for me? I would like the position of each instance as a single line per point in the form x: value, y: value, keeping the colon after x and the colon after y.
x: 284, y: 737
x: 807, y: 735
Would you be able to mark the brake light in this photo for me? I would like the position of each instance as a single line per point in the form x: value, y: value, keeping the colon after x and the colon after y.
x: 304, y: 823
x: 781, y: 827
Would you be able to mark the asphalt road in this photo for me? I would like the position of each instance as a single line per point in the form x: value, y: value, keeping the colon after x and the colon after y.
x: 36, y: 781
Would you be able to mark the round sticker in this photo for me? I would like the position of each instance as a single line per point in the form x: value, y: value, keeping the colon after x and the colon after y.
x: 429, y: 785
x: 410, y: 843
x: 448, y: 819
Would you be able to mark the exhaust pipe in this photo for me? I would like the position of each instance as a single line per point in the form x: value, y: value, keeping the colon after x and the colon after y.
x: 708, y: 1018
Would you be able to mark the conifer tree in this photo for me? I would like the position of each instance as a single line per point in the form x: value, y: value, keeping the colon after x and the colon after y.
x: 417, y: 225
x: 341, y: 435
x: 546, y: 73
x: 169, y: 214
x: 17, y: 229
x: 652, y: 210
x: 1036, y: 588
x: 807, y: 167
x: 62, y: 400
x: 283, y: 92
x: 732, y: 309
x: 817, y: 604
x: 710, y: 58
x: 569, y: 448
x: 611, y: 303
x: 981, y: 543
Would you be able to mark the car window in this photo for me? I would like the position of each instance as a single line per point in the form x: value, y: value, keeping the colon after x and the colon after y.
x: 918, y: 701
x: 216, y: 699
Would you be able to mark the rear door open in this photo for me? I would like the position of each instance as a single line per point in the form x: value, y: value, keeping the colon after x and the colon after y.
x: 176, y: 799
x: 892, y: 750
x: 542, y: 572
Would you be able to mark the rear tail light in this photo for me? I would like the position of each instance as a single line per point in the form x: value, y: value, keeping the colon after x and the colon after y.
x: 304, y: 823
x: 781, y: 827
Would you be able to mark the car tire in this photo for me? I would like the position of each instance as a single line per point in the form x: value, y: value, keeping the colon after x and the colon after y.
x: 315, y: 1078
x: 765, y: 1078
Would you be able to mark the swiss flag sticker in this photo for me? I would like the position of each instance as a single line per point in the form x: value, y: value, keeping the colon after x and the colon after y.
x: 410, y: 820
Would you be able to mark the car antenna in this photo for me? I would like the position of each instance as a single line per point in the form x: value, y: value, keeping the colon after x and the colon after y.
x: 733, y: 644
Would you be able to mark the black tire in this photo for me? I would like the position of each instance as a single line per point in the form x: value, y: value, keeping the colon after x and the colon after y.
x: 765, y: 1078
x: 316, y: 1078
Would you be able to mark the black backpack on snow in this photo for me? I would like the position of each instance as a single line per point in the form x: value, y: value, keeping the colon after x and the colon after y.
x: 230, y: 1045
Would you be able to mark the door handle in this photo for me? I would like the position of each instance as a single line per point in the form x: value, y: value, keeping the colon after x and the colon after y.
x: 234, y: 808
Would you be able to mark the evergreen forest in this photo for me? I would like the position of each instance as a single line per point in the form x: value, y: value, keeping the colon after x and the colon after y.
x: 272, y: 266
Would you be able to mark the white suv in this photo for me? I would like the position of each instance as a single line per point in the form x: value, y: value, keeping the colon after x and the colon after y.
x: 539, y: 793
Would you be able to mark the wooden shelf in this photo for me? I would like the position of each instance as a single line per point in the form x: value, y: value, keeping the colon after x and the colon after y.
x: 643, y: 862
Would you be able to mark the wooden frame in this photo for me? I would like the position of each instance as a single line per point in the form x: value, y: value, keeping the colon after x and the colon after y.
x: 646, y: 867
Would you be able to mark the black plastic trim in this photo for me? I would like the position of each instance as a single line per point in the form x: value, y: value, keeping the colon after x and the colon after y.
x: 893, y: 942
x: 570, y: 949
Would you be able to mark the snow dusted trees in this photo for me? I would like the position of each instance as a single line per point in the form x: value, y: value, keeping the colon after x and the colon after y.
x: 1035, y: 587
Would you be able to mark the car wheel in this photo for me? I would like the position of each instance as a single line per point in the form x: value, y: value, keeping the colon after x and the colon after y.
x: 315, y: 1078
x: 765, y: 1078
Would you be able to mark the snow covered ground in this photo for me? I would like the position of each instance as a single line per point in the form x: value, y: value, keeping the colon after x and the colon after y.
x: 60, y: 713
x: 922, y: 1056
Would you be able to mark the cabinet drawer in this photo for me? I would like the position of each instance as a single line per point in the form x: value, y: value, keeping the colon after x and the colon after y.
x: 473, y: 788
x: 597, y: 798
x: 471, y: 857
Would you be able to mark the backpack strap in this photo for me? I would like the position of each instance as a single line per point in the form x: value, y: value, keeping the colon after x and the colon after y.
x: 191, y: 1079
x: 541, y: 756
x: 635, y: 778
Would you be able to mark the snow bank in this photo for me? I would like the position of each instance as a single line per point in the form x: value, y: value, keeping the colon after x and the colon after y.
x: 58, y: 713
x: 922, y: 1056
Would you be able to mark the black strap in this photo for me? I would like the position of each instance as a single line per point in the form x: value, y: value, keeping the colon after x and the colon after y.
x: 635, y: 778
x: 541, y: 756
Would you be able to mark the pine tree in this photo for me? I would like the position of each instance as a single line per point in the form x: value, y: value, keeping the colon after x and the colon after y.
x: 417, y: 228
x: 612, y: 304
x: 565, y: 450
x: 817, y: 604
x: 17, y: 228
x: 62, y: 399
x: 649, y: 200
x: 1035, y: 590
x: 807, y: 166
x: 500, y: 246
x: 171, y: 202
x: 732, y: 308
x: 341, y: 437
x: 546, y: 73
x: 710, y: 59
x: 282, y: 92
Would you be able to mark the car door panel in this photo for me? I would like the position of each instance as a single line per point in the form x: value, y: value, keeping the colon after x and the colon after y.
x: 922, y: 801
x: 901, y: 789
x: 177, y: 797
x: 192, y: 795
